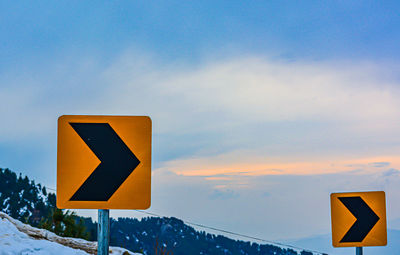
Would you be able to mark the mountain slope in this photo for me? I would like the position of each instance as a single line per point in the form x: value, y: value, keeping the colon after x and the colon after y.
x: 22, y: 199
x: 181, y: 239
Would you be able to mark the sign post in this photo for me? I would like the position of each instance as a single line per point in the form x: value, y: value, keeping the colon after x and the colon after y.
x: 358, y: 219
x: 103, y: 162
x: 103, y: 232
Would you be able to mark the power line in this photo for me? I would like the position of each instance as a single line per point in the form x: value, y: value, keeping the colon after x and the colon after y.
x: 237, y: 234
x: 49, y: 188
x: 229, y: 232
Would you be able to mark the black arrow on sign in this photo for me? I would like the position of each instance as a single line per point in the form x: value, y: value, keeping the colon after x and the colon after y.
x: 117, y: 162
x: 366, y: 219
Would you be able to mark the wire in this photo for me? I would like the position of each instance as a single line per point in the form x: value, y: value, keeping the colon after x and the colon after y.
x: 237, y: 234
x: 50, y: 188
x: 229, y: 232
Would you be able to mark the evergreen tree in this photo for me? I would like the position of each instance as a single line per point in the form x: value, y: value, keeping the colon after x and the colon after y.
x: 65, y: 224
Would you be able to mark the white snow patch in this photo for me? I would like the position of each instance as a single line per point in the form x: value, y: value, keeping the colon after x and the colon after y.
x: 17, y: 238
x: 12, y: 241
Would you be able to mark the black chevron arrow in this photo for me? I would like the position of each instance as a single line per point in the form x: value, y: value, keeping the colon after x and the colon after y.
x: 366, y: 219
x: 117, y: 162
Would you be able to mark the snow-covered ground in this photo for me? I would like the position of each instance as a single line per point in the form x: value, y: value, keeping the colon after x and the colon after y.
x: 17, y: 238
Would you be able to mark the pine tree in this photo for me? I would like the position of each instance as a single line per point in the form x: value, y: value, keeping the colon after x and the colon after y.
x: 65, y: 224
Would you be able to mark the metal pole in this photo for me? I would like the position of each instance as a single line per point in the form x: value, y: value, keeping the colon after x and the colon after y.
x: 359, y: 251
x: 103, y: 232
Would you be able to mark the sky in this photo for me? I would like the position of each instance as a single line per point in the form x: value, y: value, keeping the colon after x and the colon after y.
x: 260, y: 109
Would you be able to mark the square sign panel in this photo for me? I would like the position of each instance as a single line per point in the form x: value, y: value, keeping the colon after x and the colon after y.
x: 104, y: 162
x: 358, y: 219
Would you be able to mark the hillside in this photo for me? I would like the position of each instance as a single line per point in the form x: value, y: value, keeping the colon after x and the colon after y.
x: 23, y: 199
x: 181, y: 239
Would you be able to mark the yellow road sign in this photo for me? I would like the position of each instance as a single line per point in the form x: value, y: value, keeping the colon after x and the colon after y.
x: 358, y: 219
x: 104, y: 162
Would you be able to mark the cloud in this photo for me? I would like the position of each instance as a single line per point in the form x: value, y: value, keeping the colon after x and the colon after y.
x: 391, y: 172
x: 221, y: 193
x: 249, y: 137
x: 245, y: 164
x: 380, y: 164
x: 270, y: 206
x: 270, y: 109
x: 248, y: 115
x: 228, y: 92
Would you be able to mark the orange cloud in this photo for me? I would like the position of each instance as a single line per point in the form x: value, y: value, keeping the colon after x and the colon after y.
x: 220, y: 168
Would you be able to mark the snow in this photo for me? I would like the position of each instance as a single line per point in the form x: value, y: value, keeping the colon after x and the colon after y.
x: 12, y: 241
x: 17, y: 238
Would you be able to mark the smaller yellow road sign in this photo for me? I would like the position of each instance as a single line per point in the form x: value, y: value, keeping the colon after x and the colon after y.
x: 358, y: 219
x: 104, y: 162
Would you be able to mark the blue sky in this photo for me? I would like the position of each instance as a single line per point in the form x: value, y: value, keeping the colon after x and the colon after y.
x: 260, y: 110
x: 307, y: 29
